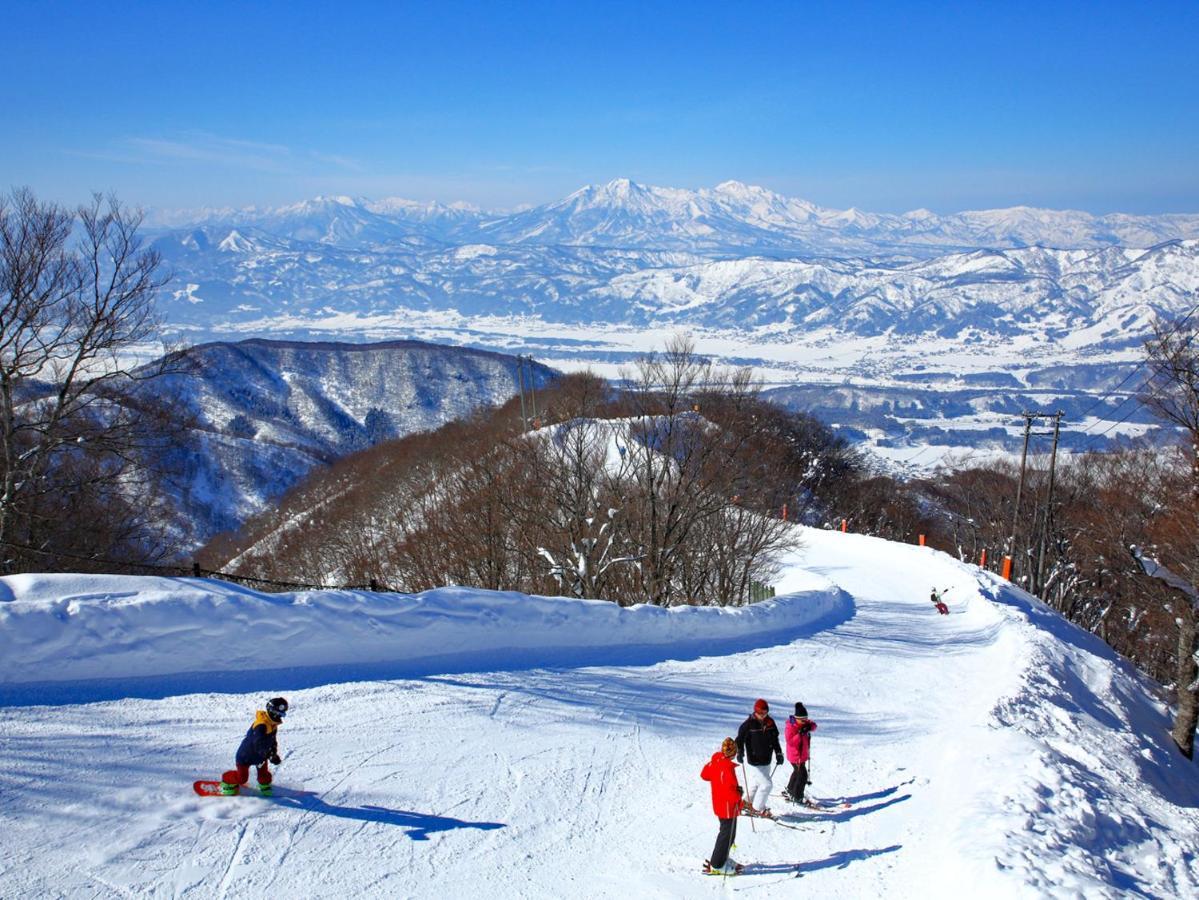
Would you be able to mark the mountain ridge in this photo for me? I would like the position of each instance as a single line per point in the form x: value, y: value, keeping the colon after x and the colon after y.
x: 731, y: 216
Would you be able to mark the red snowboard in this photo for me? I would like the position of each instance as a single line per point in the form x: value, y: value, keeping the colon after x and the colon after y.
x: 210, y: 789
x: 213, y: 789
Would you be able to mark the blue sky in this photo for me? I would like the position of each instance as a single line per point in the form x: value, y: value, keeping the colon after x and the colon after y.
x: 884, y: 106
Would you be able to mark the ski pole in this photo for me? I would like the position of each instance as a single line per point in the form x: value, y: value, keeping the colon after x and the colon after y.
x: 744, y: 795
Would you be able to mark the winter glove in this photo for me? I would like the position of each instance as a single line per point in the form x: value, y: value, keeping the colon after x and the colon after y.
x: 778, y: 759
x: 805, y: 728
x: 740, y: 790
x: 275, y: 758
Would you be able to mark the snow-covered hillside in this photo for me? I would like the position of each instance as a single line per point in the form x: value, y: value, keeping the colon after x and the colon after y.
x: 554, y: 749
x: 266, y: 412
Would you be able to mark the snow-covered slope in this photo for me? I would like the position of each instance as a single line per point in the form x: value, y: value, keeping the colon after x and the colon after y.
x: 266, y: 412
x: 994, y: 752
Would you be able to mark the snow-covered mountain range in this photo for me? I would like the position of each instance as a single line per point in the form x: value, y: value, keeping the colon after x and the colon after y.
x: 806, y: 294
x: 731, y: 218
x: 730, y: 257
x: 263, y: 413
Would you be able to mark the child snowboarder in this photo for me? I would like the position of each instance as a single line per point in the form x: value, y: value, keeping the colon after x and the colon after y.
x: 758, y: 742
x: 939, y: 603
x: 798, y: 732
x: 721, y: 771
x: 259, y: 747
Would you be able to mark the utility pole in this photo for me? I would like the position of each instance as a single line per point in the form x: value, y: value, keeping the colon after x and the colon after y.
x: 1048, y: 513
x: 532, y: 389
x: 520, y: 381
x: 1028, y: 417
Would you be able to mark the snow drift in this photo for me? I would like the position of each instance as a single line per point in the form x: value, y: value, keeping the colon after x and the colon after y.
x: 60, y: 628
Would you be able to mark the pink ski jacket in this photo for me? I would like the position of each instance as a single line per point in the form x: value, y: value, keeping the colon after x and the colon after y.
x: 799, y: 739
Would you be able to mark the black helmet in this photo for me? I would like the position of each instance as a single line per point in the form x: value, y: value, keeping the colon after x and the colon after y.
x: 276, y: 708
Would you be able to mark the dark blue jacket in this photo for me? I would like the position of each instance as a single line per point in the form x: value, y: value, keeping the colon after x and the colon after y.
x: 260, y: 742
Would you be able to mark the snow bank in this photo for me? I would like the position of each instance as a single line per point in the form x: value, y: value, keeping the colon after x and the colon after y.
x: 60, y: 628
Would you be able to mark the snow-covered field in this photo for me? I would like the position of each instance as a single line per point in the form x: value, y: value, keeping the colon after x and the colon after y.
x: 525, y: 747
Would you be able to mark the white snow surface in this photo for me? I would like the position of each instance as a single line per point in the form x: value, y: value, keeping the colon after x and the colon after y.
x: 554, y: 748
x: 58, y: 628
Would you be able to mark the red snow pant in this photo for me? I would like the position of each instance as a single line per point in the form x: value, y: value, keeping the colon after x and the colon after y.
x: 241, y: 775
x: 943, y: 609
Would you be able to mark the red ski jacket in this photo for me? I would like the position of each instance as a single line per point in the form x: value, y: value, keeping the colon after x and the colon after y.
x: 726, y: 793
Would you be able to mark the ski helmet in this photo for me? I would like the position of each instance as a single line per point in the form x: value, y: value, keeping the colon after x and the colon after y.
x: 276, y: 708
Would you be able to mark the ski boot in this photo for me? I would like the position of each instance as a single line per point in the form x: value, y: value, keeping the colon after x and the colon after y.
x: 265, y: 790
x: 230, y: 790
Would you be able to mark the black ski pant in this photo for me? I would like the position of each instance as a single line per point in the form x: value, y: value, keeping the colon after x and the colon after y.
x: 798, y: 781
x: 724, y: 840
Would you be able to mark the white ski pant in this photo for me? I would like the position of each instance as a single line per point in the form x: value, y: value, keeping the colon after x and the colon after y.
x: 758, y: 786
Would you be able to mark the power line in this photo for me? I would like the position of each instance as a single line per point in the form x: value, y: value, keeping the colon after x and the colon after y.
x: 1177, y: 327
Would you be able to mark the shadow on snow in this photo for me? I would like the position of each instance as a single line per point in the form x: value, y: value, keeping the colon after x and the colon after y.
x: 419, y: 825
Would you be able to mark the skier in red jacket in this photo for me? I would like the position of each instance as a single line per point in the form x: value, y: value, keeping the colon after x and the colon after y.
x: 721, y: 771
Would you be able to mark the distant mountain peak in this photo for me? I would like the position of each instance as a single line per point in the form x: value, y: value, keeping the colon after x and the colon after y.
x: 733, y: 217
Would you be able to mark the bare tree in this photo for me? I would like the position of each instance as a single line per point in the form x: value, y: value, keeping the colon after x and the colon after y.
x: 689, y: 471
x: 77, y: 292
x: 1172, y: 393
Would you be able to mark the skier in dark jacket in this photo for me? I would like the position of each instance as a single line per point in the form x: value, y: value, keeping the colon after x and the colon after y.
x: 259, y: 747
x: 757, y: 742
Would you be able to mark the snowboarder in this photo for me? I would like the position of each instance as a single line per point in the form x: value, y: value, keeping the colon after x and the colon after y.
x: 757, y: 737
x: 727, y: 802
x: 939, y: 603
x: 259, y: 747
x: 798, y: 734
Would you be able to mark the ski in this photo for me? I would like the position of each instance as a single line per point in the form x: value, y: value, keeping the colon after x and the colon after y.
x: 827, y: 806
x: 777, y: 820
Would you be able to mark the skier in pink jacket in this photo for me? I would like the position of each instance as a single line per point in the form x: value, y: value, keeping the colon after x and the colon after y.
x: 798, y: 734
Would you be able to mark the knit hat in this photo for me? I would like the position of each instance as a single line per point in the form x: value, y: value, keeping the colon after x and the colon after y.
x: 728, y: 747
x: 801, y: 710
x: 761, y: 705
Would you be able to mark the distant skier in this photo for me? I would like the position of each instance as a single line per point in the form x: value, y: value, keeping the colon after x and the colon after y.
x: 757, y: 739
x: 798, y: 734
x: 726, y: 803
x: 259, y: 747
x: 939, y: 602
